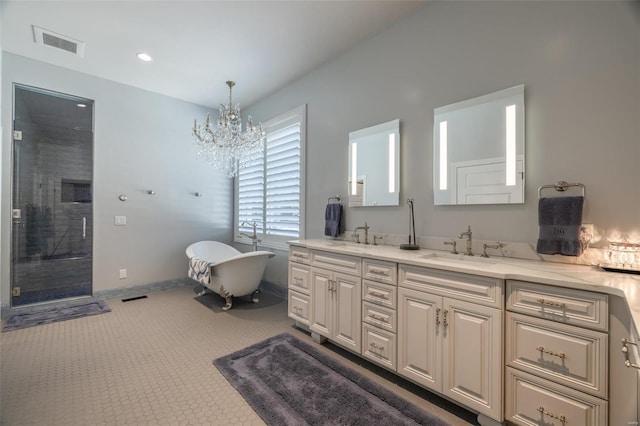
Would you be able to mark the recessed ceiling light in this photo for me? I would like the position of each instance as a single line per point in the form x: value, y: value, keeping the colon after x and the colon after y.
x: 144, y: 57
x: 82, y: 105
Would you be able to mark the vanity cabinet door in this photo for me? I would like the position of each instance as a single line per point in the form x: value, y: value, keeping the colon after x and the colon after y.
x: 347, y: 305
x: 321, y: 297
x: 419, y: 337
x: 472, y: 361
x: 336, y: 307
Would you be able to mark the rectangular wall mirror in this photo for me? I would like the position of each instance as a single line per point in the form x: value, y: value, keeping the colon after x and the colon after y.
x: 374, y: 165
x: 478, y: 150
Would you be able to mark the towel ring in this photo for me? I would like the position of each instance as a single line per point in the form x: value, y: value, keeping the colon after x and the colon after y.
x: 335, y: 197
x: 562, y: 186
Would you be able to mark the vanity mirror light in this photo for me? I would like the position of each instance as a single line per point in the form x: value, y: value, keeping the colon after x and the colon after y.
x: 478, y: 150
x: 374, y: 165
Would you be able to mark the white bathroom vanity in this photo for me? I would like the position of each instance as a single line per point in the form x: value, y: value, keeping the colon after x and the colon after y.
x: 516, y: 341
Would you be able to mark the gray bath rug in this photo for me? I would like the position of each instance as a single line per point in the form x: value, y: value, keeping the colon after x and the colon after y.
x: 289, y: 382
x: 55, y: 314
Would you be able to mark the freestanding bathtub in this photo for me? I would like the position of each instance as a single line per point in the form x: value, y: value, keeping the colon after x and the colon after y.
x: 227, y: 271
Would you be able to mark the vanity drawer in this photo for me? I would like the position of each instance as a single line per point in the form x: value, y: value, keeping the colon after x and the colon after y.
x: 472, y: 288
x: 379, y: 346
x: 381, y: 271
x: 299, y: 307
x: 565, y: 305
x: 336, y: 262
x: 299, y: 277
x: 299, y: 254
x: 572, y: 356
x: 380, y: 294
x: 534, y: 401
x: 379, y: 317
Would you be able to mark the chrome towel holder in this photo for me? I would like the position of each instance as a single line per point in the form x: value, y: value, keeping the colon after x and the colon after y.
x: 562, y: 186
x: 334, y: 197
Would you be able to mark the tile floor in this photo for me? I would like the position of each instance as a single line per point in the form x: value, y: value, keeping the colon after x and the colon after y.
x: 148, y: 362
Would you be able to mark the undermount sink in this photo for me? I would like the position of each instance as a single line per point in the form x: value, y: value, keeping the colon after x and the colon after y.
x: 336, y: 243
x: 345, y: 245
x: 455, y: 258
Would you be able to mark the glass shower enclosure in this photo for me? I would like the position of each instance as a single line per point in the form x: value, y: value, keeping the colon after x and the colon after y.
x: 52, y: 196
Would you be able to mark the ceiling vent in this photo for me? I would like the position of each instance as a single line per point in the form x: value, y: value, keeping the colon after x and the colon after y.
x: 58, y: 41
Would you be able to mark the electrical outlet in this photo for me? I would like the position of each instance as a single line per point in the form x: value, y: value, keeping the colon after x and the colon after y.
x: 120, y: 220
x: 123, y: 274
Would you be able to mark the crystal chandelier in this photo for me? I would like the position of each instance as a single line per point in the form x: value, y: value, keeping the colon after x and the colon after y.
x: 226, y: 146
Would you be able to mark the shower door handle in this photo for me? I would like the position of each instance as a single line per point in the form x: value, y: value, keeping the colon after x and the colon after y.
x: 84, y: 228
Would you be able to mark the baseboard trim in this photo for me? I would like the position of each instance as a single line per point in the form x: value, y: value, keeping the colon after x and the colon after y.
x: 134, y: 291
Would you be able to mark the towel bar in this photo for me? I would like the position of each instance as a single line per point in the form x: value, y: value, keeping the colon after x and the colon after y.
x: 562, y: 186
x: 335, y: 197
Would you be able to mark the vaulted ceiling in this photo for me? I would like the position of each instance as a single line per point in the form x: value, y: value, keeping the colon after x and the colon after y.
x: 198, y: 45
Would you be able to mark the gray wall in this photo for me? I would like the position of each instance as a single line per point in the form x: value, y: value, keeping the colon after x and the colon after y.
x: 579, y: 62
x: 142, y: 141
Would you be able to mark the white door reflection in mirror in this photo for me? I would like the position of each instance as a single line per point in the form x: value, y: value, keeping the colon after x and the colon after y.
x: 374, y: 172
x: 479, y: 150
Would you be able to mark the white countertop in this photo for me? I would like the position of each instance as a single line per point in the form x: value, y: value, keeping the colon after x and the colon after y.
x: 580, y: 277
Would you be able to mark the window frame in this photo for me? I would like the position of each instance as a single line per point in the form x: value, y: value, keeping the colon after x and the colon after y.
x: 278, y: 242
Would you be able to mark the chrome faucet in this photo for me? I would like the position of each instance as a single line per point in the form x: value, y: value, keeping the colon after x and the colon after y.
x: 485, y: 246
x: 451, y: 243
x: 254, y: 237
x: 467, y: 234
x: 366, y: 233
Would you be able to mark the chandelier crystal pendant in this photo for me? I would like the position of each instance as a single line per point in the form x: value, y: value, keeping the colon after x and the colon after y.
x: 226, y: 146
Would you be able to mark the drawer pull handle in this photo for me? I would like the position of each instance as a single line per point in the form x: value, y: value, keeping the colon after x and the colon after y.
x: 563, y: 419
x: 378, y: 318
x: 542, y: 350
x: 298, y: 255
x: 444, y: 317
x: 379, y: 295
x: 625, y: 351
x: 298, y: 280
x: 550, y: 303
x: 437, y: 317
x: 378, y: 272
x: 376, y: 347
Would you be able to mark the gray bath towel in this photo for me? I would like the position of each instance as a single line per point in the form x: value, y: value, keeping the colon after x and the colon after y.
x: 199, y: 270
x: 560, y: 220
x: 333, y: 220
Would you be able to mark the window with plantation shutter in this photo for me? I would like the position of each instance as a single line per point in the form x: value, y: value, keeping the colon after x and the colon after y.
x: 269, y: 192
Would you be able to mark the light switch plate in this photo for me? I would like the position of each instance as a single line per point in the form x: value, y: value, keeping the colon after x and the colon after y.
x: 120, y: 220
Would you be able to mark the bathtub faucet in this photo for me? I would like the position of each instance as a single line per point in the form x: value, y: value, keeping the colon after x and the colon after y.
x: 254, y: 236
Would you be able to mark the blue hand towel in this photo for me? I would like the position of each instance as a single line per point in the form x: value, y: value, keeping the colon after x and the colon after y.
x: 560, y: 220
x: 333, y: 220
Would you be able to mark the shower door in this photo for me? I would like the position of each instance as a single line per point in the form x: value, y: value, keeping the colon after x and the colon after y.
x: 52, y: 208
